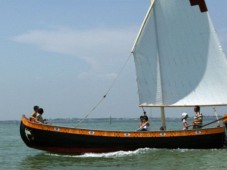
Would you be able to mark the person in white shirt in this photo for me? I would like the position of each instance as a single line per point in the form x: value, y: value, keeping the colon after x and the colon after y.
x: 144, y: 124
x: 39, y: 117
x: 184, y: 121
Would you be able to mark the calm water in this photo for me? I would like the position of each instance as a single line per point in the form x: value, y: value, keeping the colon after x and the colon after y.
x: 15, y: 155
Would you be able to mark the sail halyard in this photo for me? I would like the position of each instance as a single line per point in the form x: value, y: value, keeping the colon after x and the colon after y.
x: 178, y: 58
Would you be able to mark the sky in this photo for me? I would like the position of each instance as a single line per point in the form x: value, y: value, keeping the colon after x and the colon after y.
x: 64, y: 55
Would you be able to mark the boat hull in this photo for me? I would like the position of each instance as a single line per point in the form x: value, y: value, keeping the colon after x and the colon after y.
x: 76, y: 141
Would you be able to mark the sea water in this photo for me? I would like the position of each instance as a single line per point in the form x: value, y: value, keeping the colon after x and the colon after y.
x: 14, y: 154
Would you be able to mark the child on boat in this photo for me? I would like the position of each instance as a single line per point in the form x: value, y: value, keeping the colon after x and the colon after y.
x: 184, y: 121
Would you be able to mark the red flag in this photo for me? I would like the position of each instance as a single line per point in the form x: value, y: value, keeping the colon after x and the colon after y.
x: 201, y: 3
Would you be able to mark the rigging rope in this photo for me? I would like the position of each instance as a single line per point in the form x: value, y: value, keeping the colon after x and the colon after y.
x: 144, y: 112
x: 105, y: 95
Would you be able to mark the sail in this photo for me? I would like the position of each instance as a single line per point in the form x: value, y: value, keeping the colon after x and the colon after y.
x: 178, y: 58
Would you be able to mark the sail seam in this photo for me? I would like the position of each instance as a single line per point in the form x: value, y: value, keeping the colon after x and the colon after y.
x: 158, y: 59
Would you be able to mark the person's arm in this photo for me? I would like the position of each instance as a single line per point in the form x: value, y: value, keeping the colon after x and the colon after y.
x: 145, y: 124
x: 33, y: 115
x: 186, y: 124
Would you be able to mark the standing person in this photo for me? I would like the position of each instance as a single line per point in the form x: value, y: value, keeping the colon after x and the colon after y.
x: 39, y: 117
x: 184, y: 121
x: 198, y: 118
x: 34, y: 113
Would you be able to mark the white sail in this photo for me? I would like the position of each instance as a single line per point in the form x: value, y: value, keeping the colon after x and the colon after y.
x: 178, y: 57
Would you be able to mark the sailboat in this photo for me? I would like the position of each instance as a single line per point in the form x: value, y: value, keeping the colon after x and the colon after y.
x: 179, y: 63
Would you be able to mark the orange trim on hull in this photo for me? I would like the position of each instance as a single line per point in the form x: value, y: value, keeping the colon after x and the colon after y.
x: 124, y: 134
x: 224, y: 118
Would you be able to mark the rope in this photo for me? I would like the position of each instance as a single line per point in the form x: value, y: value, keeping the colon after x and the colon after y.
x: 213, y: 122
x: 105, y: 95
x: 144, y: 112
x: 119, y: 73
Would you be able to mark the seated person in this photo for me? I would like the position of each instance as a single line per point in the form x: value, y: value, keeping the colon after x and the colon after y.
x: 39, y: 117
x: 34, y: 114
x: 144, y: 124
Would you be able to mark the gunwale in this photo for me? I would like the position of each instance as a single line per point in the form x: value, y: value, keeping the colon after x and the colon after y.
x: 122, y: 134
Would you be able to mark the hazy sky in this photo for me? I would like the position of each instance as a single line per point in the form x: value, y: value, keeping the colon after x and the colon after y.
x: 63, y: 55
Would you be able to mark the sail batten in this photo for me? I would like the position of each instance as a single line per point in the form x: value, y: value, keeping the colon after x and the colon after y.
x: 178, y: 57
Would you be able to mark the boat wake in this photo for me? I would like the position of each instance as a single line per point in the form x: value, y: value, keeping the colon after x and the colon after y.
x: 117, y: 154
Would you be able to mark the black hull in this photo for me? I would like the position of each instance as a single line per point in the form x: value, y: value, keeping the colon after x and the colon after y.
x: 60, y: 142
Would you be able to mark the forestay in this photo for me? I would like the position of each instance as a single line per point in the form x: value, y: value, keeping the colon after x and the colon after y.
x: 178, y: 57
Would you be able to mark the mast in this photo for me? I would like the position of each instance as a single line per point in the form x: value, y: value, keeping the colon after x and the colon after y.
x: 159, y: 73
x: 163, y: 118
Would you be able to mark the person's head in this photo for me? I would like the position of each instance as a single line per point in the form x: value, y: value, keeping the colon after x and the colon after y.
x: 36, y: 108
x: 197, y: 109
x: 40, y: 111
x: 141, y: 118
x: 184, y: 115
x: 146, y: 118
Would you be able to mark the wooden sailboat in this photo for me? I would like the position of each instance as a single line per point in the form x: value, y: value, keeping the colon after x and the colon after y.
x: 179, y: 63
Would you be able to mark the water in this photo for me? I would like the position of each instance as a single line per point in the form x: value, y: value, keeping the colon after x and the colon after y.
x: 15, y: 155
